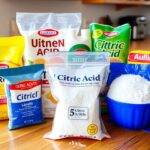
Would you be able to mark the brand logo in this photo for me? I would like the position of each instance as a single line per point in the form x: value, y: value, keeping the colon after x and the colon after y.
x: 48, y: 33
x: 110, y: 34
x: 97, y: 33
x: 78, y: 79
x: 25, y: 85
x: 29, y: 96
x: 143, y: 58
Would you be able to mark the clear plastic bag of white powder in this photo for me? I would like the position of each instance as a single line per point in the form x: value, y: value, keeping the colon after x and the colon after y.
x: 76, y: 80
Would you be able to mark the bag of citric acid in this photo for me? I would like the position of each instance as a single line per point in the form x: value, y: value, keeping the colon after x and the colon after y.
x: 11, y: 52
x: 45, y: 33
x: 23, y: 89
x: 114, y: 40
x: 76, y: 81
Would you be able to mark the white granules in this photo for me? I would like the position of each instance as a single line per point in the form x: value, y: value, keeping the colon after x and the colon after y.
x: 77, y: 144
x: 130, y: 89
x: 45, y: 33
x: 76, y: 88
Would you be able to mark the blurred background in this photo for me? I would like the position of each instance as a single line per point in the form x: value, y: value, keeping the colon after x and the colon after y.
x: 113, y: 12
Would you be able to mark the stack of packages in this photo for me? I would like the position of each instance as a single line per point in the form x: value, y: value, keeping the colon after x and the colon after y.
x: 63, y: 75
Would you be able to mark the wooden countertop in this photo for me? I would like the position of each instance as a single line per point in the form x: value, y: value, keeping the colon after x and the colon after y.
x: 140, y: 44
x: 30, y: 138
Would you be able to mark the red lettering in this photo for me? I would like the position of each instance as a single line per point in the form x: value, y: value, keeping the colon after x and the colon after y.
x: 39, y: 52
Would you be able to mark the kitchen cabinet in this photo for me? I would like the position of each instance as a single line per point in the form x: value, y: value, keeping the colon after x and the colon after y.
x: 120, y: 2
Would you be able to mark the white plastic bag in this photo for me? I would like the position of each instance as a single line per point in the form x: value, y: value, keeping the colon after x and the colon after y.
x: 45, y: 33
x: 76, y: 81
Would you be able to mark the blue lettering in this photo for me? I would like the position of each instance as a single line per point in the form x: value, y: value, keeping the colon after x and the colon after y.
x: 32, y: 95
x: 68, y: 78
x: 91, y: 78
x: 60, y: 77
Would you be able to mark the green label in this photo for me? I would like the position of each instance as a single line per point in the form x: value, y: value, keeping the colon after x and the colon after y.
x: 79, y: 48
x: 113, y: 40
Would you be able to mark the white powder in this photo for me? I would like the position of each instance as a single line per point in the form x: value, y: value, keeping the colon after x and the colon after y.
x: 130, y: 89
x: 45, y: 33
x: 78, y: 144
x: 77, y: 91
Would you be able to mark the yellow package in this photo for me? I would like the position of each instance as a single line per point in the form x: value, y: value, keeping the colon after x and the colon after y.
x: 139, y: 57
x: 11, y: 52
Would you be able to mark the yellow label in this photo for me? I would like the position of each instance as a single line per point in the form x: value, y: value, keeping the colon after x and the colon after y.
x: 51, y: 98
x: 11, y: 52
x: 92, y: 129
x: 97, y: 33
x: 3, y: 112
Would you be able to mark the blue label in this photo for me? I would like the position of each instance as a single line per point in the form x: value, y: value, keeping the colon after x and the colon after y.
x: 26, y: 113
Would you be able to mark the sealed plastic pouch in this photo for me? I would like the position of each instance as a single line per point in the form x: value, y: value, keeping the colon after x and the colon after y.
x: 114, y: 40
x: 76, y: 81
x: 44, y: 34
x: 23, y: 89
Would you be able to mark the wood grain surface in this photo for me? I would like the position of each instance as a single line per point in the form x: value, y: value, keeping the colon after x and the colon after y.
x: 140, y: 44
x: 31, y: 138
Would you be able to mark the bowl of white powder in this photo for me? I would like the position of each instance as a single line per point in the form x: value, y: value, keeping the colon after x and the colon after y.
x: 129, y: 101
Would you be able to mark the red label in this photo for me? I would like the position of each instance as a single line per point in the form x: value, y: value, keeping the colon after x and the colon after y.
x: 3, y: 66
x: 45, y: 82
x: 25, y: 85
x: 48, y: 33
x: 80, y: 50
x: 143, y: 58
x: 110, y: 34
x: 103, y: 104
x: 77, y: 52
x: 3, y: 101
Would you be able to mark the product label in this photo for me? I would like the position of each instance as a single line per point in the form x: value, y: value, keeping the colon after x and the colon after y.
x: 114, y: 40
x: 26, y: 103
x: 49, y: 103
x: 78, y: 113
x: 92, y: 129
x: 140, y: 58
x: 79, y: 48
x: 80, y: 80
x: 48, y: 33
x: 39, y: 44
x: 3, y: 99
x: 25, y: 91
x: 113, y: 47
x: 110, y: 34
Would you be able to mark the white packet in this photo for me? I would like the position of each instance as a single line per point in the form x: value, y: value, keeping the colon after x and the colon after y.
x: 76, y: 81
x: 45, y: 33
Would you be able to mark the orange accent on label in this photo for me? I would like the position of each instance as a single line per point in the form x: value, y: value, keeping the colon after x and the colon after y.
x: 48, y: 33
x: 25, y: 85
